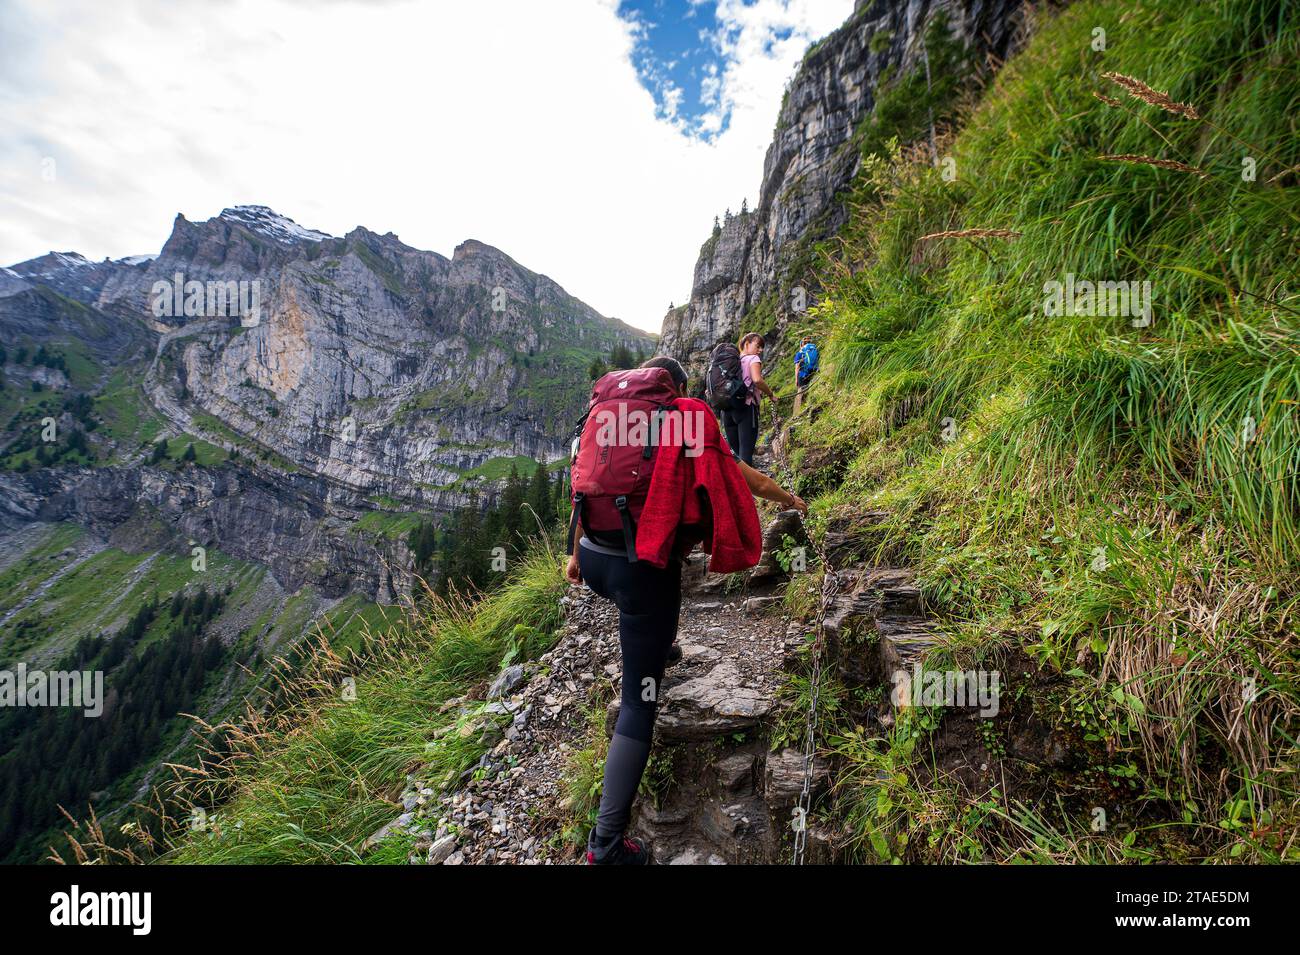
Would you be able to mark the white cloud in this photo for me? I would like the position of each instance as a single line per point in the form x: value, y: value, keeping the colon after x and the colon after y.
x: 518, y: 123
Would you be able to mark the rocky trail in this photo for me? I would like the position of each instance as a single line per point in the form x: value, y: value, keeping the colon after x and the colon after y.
x: 727, y: 770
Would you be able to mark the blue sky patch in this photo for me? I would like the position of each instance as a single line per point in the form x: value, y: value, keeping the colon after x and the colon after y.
x: 679, y: 57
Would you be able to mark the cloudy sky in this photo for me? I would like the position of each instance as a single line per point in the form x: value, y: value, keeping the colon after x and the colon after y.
x: 592, y: 140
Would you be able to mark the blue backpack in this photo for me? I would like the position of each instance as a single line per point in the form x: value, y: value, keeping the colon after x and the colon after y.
x: 806, y: 359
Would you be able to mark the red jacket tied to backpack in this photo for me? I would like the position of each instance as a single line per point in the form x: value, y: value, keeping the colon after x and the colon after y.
x: 656, y: 468
x: 697, y: 484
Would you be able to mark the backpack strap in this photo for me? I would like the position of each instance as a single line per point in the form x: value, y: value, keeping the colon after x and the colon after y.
x: 577, y: 429
x: 629, y: 529
x: 573, y: 520
x: 656, y: 430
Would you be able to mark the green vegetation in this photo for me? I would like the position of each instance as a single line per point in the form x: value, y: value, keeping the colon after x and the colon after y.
x: 905, y: 106
x: 386, y: 524
x: 95, y: 421
x: 620, y: 357
x: 47, y: 427
x: 55, y: 756
x: 353, y: 620
x: 585, y: 774
x: 70, y: 356
x: 21, y: 578
x: 475, y: 546
x: 241, y: 444
x: 499, y: 469
x: 61, y: 600
x: 388, y: 274
x: 186, y: 449
x: 1105, y: 506
x: 128, y: 417
x: 82, y: 598
x: 312, y: 783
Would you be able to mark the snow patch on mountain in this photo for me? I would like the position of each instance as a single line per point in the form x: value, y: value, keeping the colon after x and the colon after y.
x: 11, y: 283
x: 265, y: 221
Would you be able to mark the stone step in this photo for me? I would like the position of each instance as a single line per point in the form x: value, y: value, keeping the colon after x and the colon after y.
x: 873, y: 592
x: 903, y: 640
x: 899, y: 593
x: 729, y: 807
x: 717, y: 703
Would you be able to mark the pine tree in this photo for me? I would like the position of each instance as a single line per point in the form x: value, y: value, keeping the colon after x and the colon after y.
x: 463, y: 562
x: 620, y: 357
x: 422, y: 543
x: 540, y: 497
x: 511, y: 512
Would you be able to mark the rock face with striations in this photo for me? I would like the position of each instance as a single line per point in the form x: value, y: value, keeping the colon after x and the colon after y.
x: 354, y: 374
x: 812, y: 160
x: 385, y: 369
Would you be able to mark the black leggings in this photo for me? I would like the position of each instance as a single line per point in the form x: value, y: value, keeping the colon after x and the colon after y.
x: 649, y: 601
x: 742, y: 431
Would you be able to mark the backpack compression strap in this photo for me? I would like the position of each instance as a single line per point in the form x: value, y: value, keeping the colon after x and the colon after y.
x: 573, y: 519
x: 629, y: 529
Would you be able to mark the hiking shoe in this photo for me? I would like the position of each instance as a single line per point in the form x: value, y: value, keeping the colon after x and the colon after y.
x: 674, y: 654
x: 621, y: 851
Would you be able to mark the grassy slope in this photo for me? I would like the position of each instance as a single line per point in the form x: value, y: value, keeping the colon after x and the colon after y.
x: 1170, y: 452
x: 98, y: 594
x: 311, y: 783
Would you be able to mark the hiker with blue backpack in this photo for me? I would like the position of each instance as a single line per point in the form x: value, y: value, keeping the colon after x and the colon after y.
x: 652, y: 478
x: 806, y: 360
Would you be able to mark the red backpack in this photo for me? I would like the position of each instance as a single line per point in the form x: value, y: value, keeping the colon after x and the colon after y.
x: 615, y: 451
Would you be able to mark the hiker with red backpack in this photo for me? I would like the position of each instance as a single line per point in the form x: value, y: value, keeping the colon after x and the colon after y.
x: 652, y: 478
x: 734, y: 385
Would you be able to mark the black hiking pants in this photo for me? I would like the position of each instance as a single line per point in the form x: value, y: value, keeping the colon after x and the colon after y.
x: 649, y: 601
x: 741, y: 428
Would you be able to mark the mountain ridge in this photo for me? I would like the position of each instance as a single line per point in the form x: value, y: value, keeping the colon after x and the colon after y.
x: 379, y: 379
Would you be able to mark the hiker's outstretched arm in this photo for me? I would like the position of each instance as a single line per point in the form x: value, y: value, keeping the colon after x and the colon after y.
x: 760, y: 485
x: 760, y: 385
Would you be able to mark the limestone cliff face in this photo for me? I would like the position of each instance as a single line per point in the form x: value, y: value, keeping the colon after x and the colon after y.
x: 298, y: 529
x: 385, y: 369
x: 812, y: 160
x: 372, y: 375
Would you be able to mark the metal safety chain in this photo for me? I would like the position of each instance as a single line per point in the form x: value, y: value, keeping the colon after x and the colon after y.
x: 829, y: 589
